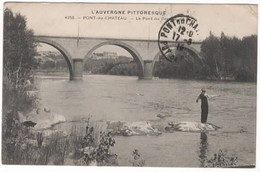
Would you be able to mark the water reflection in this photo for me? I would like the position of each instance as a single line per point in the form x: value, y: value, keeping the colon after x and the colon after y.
x: 203, y: 148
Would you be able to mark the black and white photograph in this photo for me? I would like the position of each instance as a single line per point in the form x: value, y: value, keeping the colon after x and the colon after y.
x: 129, y: 84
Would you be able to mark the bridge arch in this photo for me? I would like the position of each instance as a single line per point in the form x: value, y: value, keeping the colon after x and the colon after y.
x: 138, y: 59
x: 61, y: 49
x: 189, y: 49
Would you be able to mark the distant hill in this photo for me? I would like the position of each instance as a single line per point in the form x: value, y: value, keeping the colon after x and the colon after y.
x: 51, y: 60
x: 55, y: 60
x: 121, y: 65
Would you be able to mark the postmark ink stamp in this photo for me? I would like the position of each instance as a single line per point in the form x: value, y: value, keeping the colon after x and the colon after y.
x: 176, y: 33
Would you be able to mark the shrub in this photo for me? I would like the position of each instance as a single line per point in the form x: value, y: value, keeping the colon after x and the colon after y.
x: 93, y: 148
x: 221, y: 159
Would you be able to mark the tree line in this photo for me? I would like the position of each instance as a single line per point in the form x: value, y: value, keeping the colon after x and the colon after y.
x: 231, y: 57
x: 224, y: 58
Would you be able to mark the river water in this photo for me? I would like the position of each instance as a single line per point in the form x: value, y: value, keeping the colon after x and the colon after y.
x: 122, y: 98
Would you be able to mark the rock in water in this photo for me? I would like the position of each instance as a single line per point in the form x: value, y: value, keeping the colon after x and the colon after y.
x: 46, y: 109
x: 191, y: 126
x: 139, y: 128
x: 162, y: 116
x: 29, y: 123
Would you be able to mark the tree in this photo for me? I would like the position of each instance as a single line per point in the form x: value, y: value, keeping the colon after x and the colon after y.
x: 18, y: 62
x: 211, y: 50
x: 19, y: 49
x: 247, y: 70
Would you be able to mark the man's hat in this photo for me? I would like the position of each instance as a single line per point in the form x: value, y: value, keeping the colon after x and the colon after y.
x: 203, y: 90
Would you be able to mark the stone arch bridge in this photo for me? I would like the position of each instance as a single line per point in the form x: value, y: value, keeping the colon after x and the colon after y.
x: 77, y: 49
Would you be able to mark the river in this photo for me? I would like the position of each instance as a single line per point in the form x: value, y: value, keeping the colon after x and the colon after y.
x: 121, y: 98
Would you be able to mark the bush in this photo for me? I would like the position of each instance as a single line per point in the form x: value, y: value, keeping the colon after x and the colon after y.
x: 93, y: 148
x: 221, y: 159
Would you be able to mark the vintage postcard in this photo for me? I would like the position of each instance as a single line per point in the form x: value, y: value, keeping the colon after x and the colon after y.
x: 118, y: 84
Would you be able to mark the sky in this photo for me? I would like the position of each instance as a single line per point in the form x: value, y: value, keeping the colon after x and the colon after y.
x: 50, y: 19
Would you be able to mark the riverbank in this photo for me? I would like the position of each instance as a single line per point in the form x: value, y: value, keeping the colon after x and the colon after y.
x: 213, y: 79
x: 51, y: 73
x: 37, y: 142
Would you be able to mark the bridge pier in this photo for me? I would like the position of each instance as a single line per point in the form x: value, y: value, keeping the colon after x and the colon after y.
x: 148, y: 69
x: 77, y: 72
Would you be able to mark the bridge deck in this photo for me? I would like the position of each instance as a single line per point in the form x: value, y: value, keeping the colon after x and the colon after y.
x: 119, y: 39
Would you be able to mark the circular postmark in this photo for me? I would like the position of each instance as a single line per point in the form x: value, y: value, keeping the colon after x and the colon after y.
x: 175, y: 34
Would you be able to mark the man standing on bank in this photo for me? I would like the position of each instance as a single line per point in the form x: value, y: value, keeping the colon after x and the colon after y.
x: 204, y: 105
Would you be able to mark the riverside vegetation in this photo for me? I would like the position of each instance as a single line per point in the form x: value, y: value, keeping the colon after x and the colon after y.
x: 224, y: 58
x: 220, y: 159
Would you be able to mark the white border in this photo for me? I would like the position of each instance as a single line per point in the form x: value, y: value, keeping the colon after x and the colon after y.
x: 16, y: 168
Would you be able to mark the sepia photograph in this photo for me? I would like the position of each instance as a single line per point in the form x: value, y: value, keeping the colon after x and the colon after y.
x: 129, y: 84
